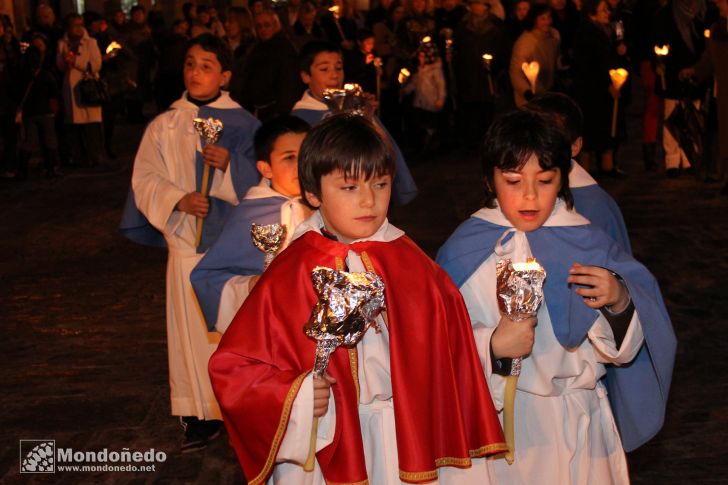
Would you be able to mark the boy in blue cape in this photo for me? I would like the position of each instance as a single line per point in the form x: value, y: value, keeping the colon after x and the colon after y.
x: 597, y: 368
x: 228, y: 272
x: 162, y: 208
x: 322, y: 68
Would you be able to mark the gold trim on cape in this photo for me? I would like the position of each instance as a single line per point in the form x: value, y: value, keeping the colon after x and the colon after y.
x: 282, y: 425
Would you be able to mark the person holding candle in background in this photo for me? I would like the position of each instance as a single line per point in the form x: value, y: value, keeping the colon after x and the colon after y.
x: 678, y: 25
x: 713, y: 62
x: 478, y: 33
x: 541, y: 43
x: 593, y: 57
x: 162, y: 208
x: 228, y: 272
x: 407, y: 404
x: 576, y: 408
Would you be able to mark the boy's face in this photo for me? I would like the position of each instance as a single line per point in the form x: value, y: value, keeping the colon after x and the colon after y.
x: 282, y: 171
x: 203, y: 73
x: 527, y: 196
x: 352, y: 208
x: 326, y: 72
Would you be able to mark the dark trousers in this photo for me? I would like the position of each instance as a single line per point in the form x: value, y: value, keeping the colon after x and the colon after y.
x: 87, y: 139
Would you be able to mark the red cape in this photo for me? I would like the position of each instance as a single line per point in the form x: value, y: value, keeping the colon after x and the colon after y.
x: 444, y: 414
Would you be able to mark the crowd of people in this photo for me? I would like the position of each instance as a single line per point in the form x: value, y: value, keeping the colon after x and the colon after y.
x: 425, y: 64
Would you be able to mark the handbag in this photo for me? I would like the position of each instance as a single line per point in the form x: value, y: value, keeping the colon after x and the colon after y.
x: 92, y: 90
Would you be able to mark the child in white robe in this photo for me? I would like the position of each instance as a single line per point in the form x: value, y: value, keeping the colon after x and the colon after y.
x: 166, y: 183
x: 601, y: 346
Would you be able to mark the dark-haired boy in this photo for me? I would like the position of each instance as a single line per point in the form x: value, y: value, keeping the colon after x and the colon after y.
x: 165, y: 202
x: 597, y: 368
x: 225, y: 276
x: 322, y: 67
x: 408, y: 403
x: 590, y: 200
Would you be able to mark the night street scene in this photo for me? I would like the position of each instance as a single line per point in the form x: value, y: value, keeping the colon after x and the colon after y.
x: 521, y: 205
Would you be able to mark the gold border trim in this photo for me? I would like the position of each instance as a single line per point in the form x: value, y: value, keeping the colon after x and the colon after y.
x: 354, y: 365
x: 282, y: 425
x: 453, y: 461
x: 363, y: 482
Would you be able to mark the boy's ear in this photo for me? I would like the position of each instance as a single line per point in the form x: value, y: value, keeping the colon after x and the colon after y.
x: 305, y: 77
x: 312, y: 199
x: 225, y: 79
x: 264, y: 168
x: 576, y: 147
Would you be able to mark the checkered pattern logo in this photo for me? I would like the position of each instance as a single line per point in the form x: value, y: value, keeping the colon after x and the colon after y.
x: 37, y: 456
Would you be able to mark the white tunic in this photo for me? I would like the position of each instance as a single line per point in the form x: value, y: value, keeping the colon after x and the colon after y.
x: 565, y: 432
x: 164, y: 171
x: 376, y: 409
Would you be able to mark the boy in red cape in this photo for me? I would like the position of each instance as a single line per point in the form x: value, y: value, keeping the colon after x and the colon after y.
x: 408, y: 404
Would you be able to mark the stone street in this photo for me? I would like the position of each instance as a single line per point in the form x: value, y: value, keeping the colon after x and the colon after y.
x: 85, y: 359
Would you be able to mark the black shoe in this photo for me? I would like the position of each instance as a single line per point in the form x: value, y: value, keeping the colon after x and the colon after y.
x: 198, y: 433
x: 672, y: 173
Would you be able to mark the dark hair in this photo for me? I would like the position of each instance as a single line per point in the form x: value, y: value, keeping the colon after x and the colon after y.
x: 311, y: 50
x: 137, y: 8
x: 270, y: 131
x: 211, y: 43
x: 513, y: 138
x: 70, y: 18
x: 564, y: 109
x: 364, y: 34
x: 536, y: 10
x: 347, y: 142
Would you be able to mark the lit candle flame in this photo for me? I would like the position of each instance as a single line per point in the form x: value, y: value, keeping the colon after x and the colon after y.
x: 404, y: 74
x: 619, y: 77
x: 112, y: 47
x: 662, y: 50
x: 530, y: 265
x: 531, y: 69
x: 706, y: 33
x: 426, y: 40
x: 334, y: 10
x: 487, y: 57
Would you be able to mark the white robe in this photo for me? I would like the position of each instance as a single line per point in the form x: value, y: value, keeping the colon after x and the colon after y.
x: 376, y: 409
x: 164, y: 171
x: 237, y: 288
x: 565, y: 432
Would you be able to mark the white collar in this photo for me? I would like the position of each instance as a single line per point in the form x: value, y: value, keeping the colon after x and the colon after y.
x: 561, y: 216
x: 386, y: 232
x: 309, y: 102
x: 264, y: 190
x: 578, y: 177
x: 223, y: 102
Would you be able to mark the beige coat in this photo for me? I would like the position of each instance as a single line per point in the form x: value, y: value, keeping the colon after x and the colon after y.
x: 88, y: 52
x: 534, y: 46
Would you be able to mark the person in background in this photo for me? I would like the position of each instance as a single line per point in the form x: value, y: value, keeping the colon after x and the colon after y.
x: 9, y: 61
x: 269, y: 85
x: 78, y: 54
x: 539, y: 42
x: 39, y: 104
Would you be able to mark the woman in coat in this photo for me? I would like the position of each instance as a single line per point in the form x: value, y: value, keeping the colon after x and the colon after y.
x: 77, y: 54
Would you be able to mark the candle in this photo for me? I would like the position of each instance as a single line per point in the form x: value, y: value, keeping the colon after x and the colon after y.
x: 706, y: 33
x: 530, y: 265
x: 619, y: 77
x: 404, y: 74
x: 487, y: 58
x: 112, y: 47
x: 531, y: 69
x: 426, y: 40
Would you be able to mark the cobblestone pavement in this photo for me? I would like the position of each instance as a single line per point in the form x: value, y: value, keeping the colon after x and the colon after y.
x: 84, y: 354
